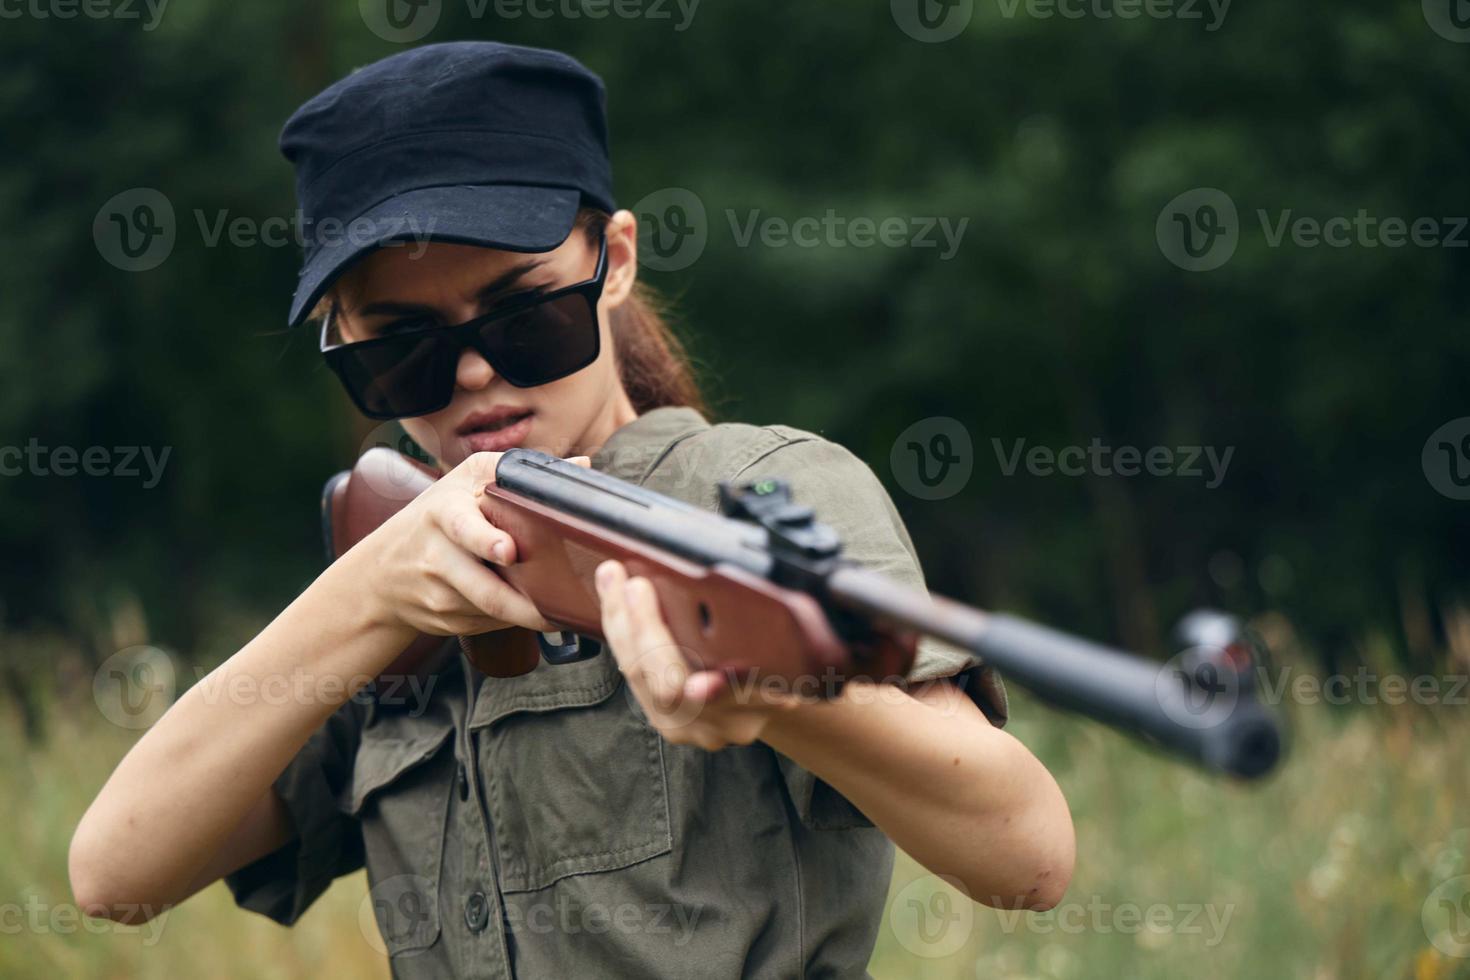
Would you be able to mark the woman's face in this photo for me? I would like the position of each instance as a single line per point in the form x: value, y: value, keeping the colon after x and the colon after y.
x: 438, y: 284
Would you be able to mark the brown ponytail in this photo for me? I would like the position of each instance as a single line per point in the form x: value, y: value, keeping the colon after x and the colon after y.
x: 654, y: 366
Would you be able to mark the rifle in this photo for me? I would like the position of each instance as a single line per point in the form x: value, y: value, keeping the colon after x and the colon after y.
x: 761, y: 589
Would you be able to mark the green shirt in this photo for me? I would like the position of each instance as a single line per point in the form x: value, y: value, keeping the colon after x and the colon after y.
x: 537, y: 827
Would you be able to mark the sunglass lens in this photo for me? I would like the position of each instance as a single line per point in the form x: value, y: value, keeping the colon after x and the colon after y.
x: 543, y: 343
x: 400, y: 379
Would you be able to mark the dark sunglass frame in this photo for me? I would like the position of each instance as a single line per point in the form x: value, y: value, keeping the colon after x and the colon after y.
x: 456, y: 337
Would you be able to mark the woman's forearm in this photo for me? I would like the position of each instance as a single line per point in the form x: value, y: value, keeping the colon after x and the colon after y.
x: 183, y: 790
x: 961, y: 797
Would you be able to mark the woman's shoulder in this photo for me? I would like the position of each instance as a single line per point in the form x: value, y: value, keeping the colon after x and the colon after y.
x: 695, y: 456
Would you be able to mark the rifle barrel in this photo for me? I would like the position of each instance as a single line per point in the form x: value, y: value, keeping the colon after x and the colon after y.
x: 1226, y: 730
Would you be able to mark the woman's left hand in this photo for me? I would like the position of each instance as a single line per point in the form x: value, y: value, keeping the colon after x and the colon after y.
x: 686, y: 706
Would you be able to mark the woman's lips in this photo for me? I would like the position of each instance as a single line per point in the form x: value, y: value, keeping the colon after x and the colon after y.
x: 499, y: 440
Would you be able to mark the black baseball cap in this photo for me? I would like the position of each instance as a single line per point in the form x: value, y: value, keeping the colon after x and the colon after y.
x: 471, y: 142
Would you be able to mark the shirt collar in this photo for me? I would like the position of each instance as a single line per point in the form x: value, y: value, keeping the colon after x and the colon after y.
x: 631, y: 452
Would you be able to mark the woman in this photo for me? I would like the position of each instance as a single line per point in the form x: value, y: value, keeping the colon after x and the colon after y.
x: 480, y: 285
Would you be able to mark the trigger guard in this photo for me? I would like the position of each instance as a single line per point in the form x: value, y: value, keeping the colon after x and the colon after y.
x: 566, y: 647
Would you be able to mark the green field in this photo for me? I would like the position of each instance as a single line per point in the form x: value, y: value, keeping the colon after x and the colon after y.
x: 1324, y: 872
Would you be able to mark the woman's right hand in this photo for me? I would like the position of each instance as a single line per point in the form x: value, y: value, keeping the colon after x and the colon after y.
x: 425, y: 568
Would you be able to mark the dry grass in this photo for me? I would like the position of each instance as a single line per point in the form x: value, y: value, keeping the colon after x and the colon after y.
x: 1322, y: 873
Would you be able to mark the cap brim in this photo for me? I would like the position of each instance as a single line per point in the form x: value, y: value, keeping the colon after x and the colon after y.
x: 506, y: 216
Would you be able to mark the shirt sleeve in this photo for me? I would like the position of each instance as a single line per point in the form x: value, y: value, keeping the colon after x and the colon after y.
x: 846, y: 495
x: 328, y: 842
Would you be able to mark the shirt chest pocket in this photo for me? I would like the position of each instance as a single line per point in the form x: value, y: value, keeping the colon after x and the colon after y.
x: 401, y: 780
x: 575, y: 777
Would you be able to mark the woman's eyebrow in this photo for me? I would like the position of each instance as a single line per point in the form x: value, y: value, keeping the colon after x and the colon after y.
x: 390, y: 308
x: 484, y: 295
x: 504, y: 282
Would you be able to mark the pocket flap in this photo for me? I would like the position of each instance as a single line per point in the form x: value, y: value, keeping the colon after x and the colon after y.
x: 391, y: 746
x: 548, y: 688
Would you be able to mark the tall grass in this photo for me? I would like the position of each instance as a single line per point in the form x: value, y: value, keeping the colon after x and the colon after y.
x: 1324, y: 872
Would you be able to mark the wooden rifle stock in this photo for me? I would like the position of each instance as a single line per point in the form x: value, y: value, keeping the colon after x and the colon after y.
x: 722, y: 616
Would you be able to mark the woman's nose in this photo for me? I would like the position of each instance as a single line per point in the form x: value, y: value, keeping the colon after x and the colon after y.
x: 473, y: 372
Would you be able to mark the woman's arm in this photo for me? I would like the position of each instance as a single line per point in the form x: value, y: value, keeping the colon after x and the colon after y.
x: 192, y: 800
x: 963, y: 798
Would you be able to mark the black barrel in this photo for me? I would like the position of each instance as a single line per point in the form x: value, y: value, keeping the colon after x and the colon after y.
x: 1222, y: 727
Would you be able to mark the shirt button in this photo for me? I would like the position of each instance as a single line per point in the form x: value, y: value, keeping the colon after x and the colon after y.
x: 464, y: 783
x: 476, y: 912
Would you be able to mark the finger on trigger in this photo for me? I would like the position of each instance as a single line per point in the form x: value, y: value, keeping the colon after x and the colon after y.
x: 473, y: 532
x: 494, y: 597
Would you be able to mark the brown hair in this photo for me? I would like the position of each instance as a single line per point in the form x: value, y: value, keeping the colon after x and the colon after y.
x: 653, y: 364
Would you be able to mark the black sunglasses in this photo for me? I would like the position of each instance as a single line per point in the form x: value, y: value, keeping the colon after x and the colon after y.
x: 543, y: 339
